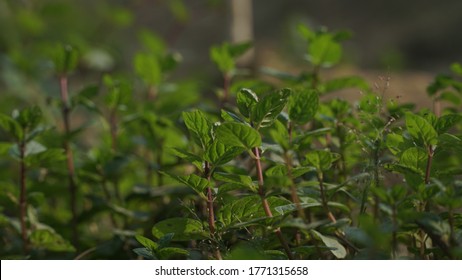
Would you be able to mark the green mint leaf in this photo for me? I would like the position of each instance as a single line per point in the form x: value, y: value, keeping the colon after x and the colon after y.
x: 303, y: 106
x: 266, y: 111
x: 199, y: 126
x: 421, y: 130
x: 238, y: 135
x: 246, y: 101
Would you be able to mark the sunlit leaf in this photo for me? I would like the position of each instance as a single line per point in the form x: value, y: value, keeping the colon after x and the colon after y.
x: 222, y: 58
x: 238, y: 49
x: 449, y: 141
x: 46, y: 239
x: 179, y: 10
x: 247, y: 209
x: 238, y: 135
x: 198, y: 184
x: 199, y: 125
x: 218, y: 153
x: 303, y: 105
x: 242, y: 180
x: 344, y: 83
x: 49, y: 156
x: 29, y: 117
x: 421, y: 129
x: 456, y: 68
x: 321, y: 160
x: 266, y: 111
x: 11, y: 126
x: 146, y: 242
x: 246, y: 101
x: 445, y: 122
x: 323, y: 50
x: 186, y: 155
x: 145, y: 253
x: 148, y: 67
x: 396, y: 143
x: 334, y: 246
x: 415, y: 159
x: 65, y: 58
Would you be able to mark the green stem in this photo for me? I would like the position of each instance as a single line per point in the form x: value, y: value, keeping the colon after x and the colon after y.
x: 324, y: 198
x: 149, y: 169
x: 452, y: 238
x: 340, y: 235
x: 288, y: 161
x: 113, y: 127
x: 316, y: 77
x: 342, y: 163
x: 376, y: 182
x: 422, y: 236
x: 294, y: 196
x: 394, y: 234
x: 160, y: 176
x: 108, y: 197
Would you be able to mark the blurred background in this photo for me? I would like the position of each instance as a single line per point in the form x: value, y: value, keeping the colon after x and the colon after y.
x: 415, y: 38
x: 142, y: 62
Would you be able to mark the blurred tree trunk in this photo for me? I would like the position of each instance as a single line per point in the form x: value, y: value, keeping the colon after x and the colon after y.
x: 241, y: 28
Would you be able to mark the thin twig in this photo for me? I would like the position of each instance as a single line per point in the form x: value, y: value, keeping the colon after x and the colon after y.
x: 69, y: 156
x: 85, y: 253
x: 22, y: 196
x: 266, y: 206
x: 211, y: 213
x: 429, y: 164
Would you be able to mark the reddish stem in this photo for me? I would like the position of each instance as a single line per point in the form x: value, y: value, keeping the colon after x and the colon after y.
x: 69, y: 156
x: 152, y: 93
x: 207, y: 175
x: 429, y: 164
x: 211, y: 213
x: 22, y: 196
x: 265, y: 203
x: 290, y: 131
x: 437, y: 107
x: 293, y: 189
x: 226, y: 88
x: 423, y: 205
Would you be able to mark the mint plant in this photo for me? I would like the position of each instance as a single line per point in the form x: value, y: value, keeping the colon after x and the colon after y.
x: 65, y: 59
x: 24, y: 127
x: 257, y: 114
x: 155, y: 170
x: 416, y: 162
x: 225, y: 56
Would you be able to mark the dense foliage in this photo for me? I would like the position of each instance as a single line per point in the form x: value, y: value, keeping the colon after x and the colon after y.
x: 139, y: 166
